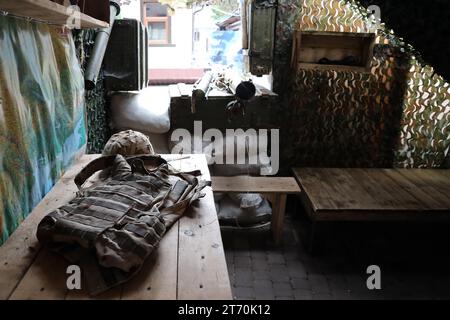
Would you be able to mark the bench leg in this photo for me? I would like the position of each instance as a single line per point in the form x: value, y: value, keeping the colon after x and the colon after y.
x: 278, y: 217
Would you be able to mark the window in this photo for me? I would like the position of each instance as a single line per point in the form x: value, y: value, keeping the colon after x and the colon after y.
x: 157, y: 20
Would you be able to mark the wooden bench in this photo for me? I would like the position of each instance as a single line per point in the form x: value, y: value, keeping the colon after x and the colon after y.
x: 374, y: 194
x: 188, y: 264
x: 275, y: 188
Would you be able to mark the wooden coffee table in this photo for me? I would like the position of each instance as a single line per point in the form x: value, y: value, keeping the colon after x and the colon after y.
x: 374, y: 194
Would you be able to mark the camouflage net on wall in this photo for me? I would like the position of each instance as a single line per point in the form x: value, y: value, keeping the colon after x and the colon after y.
x: 398, y: 115
x: 96, y: 113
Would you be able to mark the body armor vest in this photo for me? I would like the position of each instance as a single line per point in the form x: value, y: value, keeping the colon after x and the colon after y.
x: 110, y: 228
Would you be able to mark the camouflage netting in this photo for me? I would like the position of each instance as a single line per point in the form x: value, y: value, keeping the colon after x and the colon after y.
x: 97, y: 116
x: 398, y: 115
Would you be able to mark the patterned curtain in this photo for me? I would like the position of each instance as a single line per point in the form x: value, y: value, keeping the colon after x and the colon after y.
x: 42, y: 125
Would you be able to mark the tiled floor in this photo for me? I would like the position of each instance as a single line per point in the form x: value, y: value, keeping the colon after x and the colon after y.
x: 414, y: 262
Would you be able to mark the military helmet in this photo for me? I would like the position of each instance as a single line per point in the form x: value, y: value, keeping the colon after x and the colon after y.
x: 127, y: 143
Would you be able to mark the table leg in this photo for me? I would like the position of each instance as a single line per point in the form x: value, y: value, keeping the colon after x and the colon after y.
x: 278, y: 217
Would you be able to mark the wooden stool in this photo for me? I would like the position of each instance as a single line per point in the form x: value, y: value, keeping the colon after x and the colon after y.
x: 275, y: 189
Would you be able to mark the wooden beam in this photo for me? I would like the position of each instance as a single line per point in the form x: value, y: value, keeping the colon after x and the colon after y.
x: 202, y: 269
x: 240, y: 184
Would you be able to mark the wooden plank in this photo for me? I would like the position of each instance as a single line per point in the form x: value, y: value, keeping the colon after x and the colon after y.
x: 318, y: 192
x: 336, y: 191
x: 428, y: 202
x: 237, y: 184
x: 202, y: 269
x: 367, y: 181
x: 112, y: 294
x: 158, y: 277
x: 296, y: 45
x: 316, y: 66
x: 337, y: 34
x: 49, y: 12
x: 19, y: 251
x: 45, y: 280
x: 344, y: 194
x: 423, y: 183
x: 402, y: 199
x: 436, y: 178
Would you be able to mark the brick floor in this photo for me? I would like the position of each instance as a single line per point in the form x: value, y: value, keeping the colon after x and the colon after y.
x: 413, y: 264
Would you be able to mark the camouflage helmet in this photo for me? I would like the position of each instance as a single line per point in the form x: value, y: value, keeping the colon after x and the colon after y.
x: 128, y: 142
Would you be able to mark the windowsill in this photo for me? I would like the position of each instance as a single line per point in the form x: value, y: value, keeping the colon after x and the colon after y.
x: 167, y: 45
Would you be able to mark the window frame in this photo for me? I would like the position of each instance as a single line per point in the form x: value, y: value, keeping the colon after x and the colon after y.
x: 168, y: 23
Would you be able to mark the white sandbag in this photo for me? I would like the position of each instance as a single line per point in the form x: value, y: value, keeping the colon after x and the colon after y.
x: 231, y: 214
x: 215, y: 152
x: 246, y: 200
x: 252, y: 165
x: 145, y: 111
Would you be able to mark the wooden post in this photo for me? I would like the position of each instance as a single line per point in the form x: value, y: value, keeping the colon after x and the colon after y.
x: 278, y: 217
x: 244, y: 24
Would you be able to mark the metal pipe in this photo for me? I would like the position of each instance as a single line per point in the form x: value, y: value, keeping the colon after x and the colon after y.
x: 98, y: 52
x: 201, y: 87
x: 200, y: 90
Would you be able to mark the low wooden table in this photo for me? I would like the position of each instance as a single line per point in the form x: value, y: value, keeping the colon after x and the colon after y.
x: 374, y: 194
x: 188, y: 264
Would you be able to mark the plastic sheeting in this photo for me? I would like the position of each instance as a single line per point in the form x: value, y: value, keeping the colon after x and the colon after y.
x: 42, y: 122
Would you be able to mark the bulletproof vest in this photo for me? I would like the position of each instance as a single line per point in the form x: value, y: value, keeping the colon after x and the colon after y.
x: 111, y: 227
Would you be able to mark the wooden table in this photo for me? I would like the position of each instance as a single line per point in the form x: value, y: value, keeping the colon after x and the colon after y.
x: 374, y: 194
x: 188, y: 264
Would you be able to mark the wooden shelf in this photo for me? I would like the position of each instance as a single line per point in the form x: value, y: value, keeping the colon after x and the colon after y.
x: 47, y: 11
x: 318, y: 66
x: 340, y: 51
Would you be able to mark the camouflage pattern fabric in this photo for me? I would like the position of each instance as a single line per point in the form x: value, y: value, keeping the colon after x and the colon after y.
x: 110, y: 228
x: 97, y: 117
x: 397, y: 115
